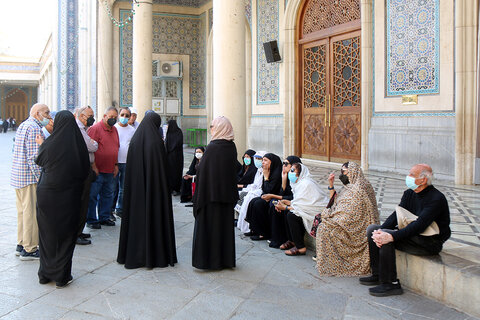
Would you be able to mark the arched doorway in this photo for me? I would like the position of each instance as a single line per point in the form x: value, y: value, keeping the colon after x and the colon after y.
x: 329, y: 80
x: 16, y: 105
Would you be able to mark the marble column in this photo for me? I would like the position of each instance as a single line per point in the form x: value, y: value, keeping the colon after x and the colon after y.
x: 104, y: 58
x: 142, y: 57
x: 229, y: 88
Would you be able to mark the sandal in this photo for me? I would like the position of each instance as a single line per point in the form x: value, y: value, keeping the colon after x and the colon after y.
x: 287, y: 245
x: 295, y: 252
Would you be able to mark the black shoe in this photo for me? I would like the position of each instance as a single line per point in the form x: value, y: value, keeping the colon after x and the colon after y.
x: 189, y: 205
x: 118, y: 214
x: 175, y: 193
x: 249, y: 234
x: 275, y: 245
x: 63, y: 284
x: 83, y: 241
x: 386, y: 289
x: 25, y: 256
x: 43, y: 280
x: 373, y: 280
x: 95, y: 225
x: 85, y: 235
x: 109, y: 223
x: 18, y: 250
x: 258, y: 238
x: 112, y: 217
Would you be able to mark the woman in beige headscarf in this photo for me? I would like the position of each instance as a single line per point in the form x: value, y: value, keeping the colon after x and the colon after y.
x: 342, y: 248
x: 214, y: 199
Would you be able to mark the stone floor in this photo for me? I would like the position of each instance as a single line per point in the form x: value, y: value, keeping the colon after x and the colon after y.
x: 265, y: 285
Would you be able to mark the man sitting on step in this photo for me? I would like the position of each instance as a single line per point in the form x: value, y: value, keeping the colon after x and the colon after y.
x: 419, y: 226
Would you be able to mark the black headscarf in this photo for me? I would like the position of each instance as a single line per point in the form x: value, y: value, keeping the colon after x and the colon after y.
x: 147, y: 237
x: 274, y: 183
x: 192, y: 170
x: 174, y: 137
x: 294, y: 159
x: 246, y: 174
x: 64, y: 155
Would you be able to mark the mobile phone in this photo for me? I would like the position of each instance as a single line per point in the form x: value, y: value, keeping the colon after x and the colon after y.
x: 275, y: 202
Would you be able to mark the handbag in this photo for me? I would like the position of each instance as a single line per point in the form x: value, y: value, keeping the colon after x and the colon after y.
x: 405, y: 217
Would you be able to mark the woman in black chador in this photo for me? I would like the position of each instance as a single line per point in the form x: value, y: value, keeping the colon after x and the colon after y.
x: 147, y: 236
x: 65, y: 166
x: 215, y: 197
x: 174, y: 146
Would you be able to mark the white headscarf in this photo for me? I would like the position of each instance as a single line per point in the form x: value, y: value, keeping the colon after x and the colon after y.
x: 308, y: 198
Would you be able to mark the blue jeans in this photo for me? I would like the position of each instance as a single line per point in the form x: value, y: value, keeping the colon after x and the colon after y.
x: 102, y: 189
x: 120, y: 182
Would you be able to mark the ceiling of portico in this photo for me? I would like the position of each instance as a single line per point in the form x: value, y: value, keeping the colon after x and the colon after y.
x: 181, y: 3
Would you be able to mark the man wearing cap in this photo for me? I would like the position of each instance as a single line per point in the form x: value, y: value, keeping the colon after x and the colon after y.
x: 133, y: 118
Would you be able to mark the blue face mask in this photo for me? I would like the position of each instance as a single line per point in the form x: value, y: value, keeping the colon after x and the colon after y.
x: 247, y: 161
x: 44, y: 121
x: 123, y: 120
x: 292, y: 176
x: 258, y: 163
x: 410, y: 182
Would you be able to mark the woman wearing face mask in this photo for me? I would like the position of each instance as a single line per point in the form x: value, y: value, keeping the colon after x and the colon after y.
x: 186, y: 189
x: 174, y: 146
x: 347, y: 217
x: 308, y: 200
x: 246, y: 175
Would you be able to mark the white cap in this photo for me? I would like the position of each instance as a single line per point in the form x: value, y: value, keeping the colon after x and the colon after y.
x: 133, y: 110
x: 260, y: 154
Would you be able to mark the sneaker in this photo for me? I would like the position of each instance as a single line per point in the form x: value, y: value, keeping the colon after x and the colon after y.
x: 94, y: 225
x: 118, y: 214
x: 18, y: 250
x: 386, y: 289
x: 112, y: 217
x: 314, y: 258
x: 63, y: 284
x: 25, y: 256
x: 109, y: 223
x: 372, y: 280
x: 85, y: 235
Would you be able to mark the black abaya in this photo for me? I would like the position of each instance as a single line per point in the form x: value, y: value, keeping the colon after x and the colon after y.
x: 186, y: 188
x: 174, y: 146
x: 147, y: 236
x: 65, y: 166
x: 215, y: 197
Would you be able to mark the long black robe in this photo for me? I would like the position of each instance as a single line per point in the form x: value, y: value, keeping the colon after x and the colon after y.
x: 65, y: 166
x: 257, y: 212
x: 174, y: 146
x: 147, y: 235
x: 186, y: 189
x: 213, y: 202
x: 246, y: 175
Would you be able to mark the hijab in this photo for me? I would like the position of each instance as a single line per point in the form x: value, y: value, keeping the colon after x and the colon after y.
x: 174, y: 137
x: 246, y: 174
x: 274, y: 182
x: 192, y: 170
x: 222, y: 129
x: 294, y: 159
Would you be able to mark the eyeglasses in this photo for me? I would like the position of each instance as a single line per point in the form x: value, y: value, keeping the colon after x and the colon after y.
x: 286, y: 163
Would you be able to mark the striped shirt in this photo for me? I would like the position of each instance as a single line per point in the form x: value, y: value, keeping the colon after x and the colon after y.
x: 24, y: 169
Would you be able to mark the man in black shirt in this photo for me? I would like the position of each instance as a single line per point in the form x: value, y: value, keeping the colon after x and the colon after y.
x: 428, y: 205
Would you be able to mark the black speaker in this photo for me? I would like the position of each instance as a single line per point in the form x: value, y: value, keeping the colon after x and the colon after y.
x: 271, y: 51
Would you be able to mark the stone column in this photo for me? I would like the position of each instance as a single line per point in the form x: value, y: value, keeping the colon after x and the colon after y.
x: 466, y: 22
x: 142, y: 57
x: 104, y: 58
x: 229, y: 89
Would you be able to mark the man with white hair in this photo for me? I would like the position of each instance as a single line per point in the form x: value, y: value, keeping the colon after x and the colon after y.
x: 24, y: 177
x: 419, y: 225
x: 133, y: 118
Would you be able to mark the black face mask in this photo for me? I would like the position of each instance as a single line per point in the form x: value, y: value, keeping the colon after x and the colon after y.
x: 111, y: 121
x: 344, y: 179
x: 90, y: 121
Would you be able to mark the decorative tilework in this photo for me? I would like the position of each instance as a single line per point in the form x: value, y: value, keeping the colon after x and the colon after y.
x: 183, y: 3
x: 172, y: 34
x: 413, y: 61
x: 267, y: 73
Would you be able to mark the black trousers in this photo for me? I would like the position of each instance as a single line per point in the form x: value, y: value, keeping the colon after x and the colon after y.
x: 84, y: 200
x: 383, y: 260
x: 186, y: 190
x: 279, y: 226
x: 295, y: 230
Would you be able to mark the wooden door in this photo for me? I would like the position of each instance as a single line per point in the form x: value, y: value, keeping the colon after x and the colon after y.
x: 16, y: 105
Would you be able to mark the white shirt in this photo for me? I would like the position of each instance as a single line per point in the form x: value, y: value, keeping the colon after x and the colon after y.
x: 125, y: 134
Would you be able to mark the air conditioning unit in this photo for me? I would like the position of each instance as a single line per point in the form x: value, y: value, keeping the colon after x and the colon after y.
x: 169, y: 68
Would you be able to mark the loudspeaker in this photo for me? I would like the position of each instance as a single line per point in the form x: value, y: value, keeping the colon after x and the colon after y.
x: 271, y: 51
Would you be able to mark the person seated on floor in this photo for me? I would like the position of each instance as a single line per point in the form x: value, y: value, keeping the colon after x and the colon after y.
x: 246, y: 174
x: 186, y: 188
x: 342, y: 249
x: 308, y: 200
x: 257, y: 212
x: 251, y: 191
x: 279, y: 231
x: 419, y: 225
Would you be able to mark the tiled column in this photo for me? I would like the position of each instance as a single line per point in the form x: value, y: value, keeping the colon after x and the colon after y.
x: 229, y: 89
x: 104, y: 58
x: 142, y: 57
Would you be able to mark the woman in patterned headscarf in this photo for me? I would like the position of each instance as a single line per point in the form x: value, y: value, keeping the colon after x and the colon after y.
x: 342, y: 248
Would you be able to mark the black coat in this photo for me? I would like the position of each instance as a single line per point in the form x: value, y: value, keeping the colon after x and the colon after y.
x: 174, y: 146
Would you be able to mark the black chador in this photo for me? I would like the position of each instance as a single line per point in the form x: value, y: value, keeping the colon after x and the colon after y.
x: 174, y: 146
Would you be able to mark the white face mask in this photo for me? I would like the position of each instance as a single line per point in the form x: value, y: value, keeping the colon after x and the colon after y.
x: 198, y: 155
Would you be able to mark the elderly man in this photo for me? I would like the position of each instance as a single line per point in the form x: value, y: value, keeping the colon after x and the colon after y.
x: 106, y: 168
x: 24, y: 177
x: 84, y: 118
x: 429, y: 227
x: 133, y: 118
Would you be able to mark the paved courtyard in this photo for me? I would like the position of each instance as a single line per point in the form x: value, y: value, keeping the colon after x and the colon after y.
x: 265, y: 285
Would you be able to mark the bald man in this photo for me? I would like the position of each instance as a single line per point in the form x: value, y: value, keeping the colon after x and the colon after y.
x: 425, y: 235
x: 24, y: 177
